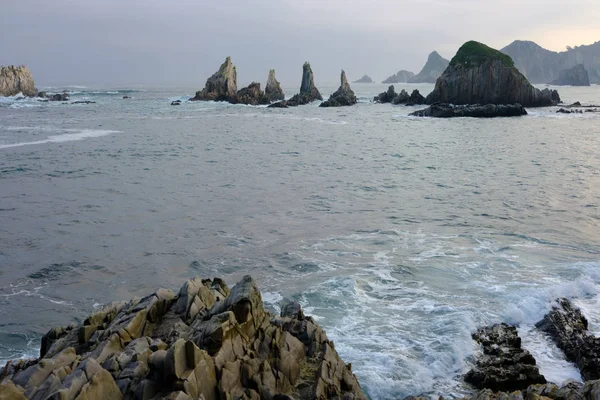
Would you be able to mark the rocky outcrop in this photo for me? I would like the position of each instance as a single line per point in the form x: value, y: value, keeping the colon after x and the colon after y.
x: 575, y: 76
x: 344, y: 96
x: 401, y: 98
x: 401, y: 76
x: 479, y: 74
x: 415, y: 98
x: 221, y: 86
x: 206, y: 342
x: 441, y: 110
x: 390, y: 96
x: 504, y: 365
x: 15, y: 80
x: 308, y: 90
x: 434, y: 67
x: 568, y: 328
x: 273, y: 89
x: 387, y: 96
x: 250, y: 95
x: 364, y: 79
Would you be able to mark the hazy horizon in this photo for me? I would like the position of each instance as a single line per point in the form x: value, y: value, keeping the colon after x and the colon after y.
x: 122, y: 43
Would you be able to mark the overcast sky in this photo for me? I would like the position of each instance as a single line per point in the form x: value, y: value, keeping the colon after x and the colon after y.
x: 182, y: 42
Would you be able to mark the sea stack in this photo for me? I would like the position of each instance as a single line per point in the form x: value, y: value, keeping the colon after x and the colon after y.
x: 434, y: 67
x: 479, y: 74
x: 575, y: 76
x: 273, y: 89
x: 308, y: 90
x: 221, y: 86
x: 251, y: 95
x: 344, y: 96
x: 15, y: 80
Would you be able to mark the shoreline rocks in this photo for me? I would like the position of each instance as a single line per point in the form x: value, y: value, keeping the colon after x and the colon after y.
x: 273, y: 90
x: 15, y: 80
x: 221, y: 86
x: 344, y: 96
x: 208, y: 341
x: 444, y: 110
x: 574, y: 76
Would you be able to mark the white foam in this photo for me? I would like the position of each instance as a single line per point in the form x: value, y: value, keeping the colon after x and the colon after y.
x: 67, y: 137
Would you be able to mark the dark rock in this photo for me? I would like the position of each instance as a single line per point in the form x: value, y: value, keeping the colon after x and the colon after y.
x: 364, y: 79
x: 15, y: 80
x: 42, y: 95
x: 504, y: 365
x: 477, y: 111
x: 479, y: 74
x: 401, y: 98
x: 126, y: 97
x: 279, y: 104
x: 308, y: 91
x: 415, y: 98
x: 574, y: 76
x: 434, y: 67
x: 387, y: 96
x: 273, y: 90
x: 176, y: 103
x: 251, y: 95
x: 83, y: 102
x: 344, y: 96
x: 401, y: 76
x: 59, y: 97
x: 568, y: 328
x: 221, y: 86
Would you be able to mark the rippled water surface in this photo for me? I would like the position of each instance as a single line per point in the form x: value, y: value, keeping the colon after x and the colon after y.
x: 400, y: 235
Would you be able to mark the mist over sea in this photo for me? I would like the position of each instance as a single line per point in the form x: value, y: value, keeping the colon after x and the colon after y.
x: 400, y: 235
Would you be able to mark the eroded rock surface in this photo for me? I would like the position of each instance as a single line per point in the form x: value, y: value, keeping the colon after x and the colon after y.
x: 308, y: 90
x: 344, y: 96
x: 15, y: 80
x: 221, y: 86
x: 273, y: 90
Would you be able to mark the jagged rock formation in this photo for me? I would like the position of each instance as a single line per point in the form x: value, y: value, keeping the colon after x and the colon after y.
x: 541, y: 66
x: 15, y: 80
x: 415, y: 98
x: 206, y: 342
x: 401, y: 98
x: 221, y: 86
x: 442, y: 110
x: 390, y: 96
x: 567, y: 326
x: 479, y: 74
x: 575, y: 76
x: 386, y: 97
x: 434, y: 67
x: 308, y: 90
x: 364, y: 79
x: 344, y: 96
x: 401, y: 76
x: 273, y: 89
x: 251, y: 95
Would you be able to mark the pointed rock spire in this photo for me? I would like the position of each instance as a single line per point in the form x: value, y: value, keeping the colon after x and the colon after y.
x: 221, y: 86
x: 344, y: 96
x: 308, y: 90
x: 273, y: 89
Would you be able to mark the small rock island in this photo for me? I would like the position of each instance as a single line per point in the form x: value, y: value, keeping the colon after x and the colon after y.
x: 364, y: 79
x: 575, y: 76
x: 433, y: 68
x: 15, y: 80
x: 344, y: 96
x: 308, y: 91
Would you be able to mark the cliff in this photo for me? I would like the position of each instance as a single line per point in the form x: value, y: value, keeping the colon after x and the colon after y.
x: 15, y: 80
x: 401, y: 76
x: 541, y: 66
x: 434, y: 67
x: 344, y: 96
x: 206, y: 342
x: 576, y: 76
x: 221, y: 86
x: 479, y: 74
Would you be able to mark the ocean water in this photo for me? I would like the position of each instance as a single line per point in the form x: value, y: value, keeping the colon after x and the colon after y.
x: 399, y: 235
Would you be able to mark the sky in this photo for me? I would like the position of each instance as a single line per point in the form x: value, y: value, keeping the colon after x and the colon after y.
x: 182, y: 42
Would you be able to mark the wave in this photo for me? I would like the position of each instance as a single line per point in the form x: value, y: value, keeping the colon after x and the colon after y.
x: 67, y: 137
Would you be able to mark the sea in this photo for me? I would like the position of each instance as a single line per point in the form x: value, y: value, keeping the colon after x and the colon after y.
x: 399, y: 235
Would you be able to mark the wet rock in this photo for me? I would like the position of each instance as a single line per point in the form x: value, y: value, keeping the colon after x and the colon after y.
x: 15, y: 80
x: 568, y: 328
x: 401, y: 98
x: 415, y: 98
x: 344, y: 96
x: 126, y: 97
x: 221, y: 86
x: 176, y: 103
x: 504, y: 365
x: 475, y: 111
x: 273, y: 90
x: 59, y: 97
x: 251, y: 95
x: 83, y: 102
x: 308, y: 90
x: 387, y: 96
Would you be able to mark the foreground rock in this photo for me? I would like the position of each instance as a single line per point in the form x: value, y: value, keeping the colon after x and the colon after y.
x: 434, y: 67
x: 15, y: 80
x: 251, y: 95
x: 308, y: 90
x: 221, y: 86
x: 364, y: 79
x: 344, y: 96
x: 443, y: 110
x: 207, y: 342
x: 568, y: 328
x: 575, y: 76
x: 401, y: 76
x: 504, y: 366
x: 273, y: 90
x: 479, y: 74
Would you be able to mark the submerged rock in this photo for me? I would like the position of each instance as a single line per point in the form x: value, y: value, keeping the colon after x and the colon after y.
x: 479, y: 74
x: 176, y: 103
x: 364, y: 79
x: 59, y: 97
x: 433, y: 68
x: 273, y: 89
x: 442, y: 110
x: 344, y: 96
x: 574, y: 76
x: 251, y: 95
x: 221, y: 86
x: 15, y: 80
x: 206, y: 342
x: 401, y: 76
x: 308, y: 90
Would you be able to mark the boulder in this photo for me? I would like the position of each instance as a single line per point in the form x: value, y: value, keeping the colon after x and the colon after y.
x: 401, y: 76
x: 59, y: 97
x: 568, y: 328
x: 308, y: 90
x: 442, y: 110
x: 574, y: 76
x: 221, y: 86
x: 15, y: 80
x: 344, y: 96
x: 273, y: 89
x: 433, y: 68
x: 479, y: 74
x: 176, y: 103
x: 364, y: 79
x: 250, y: 95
